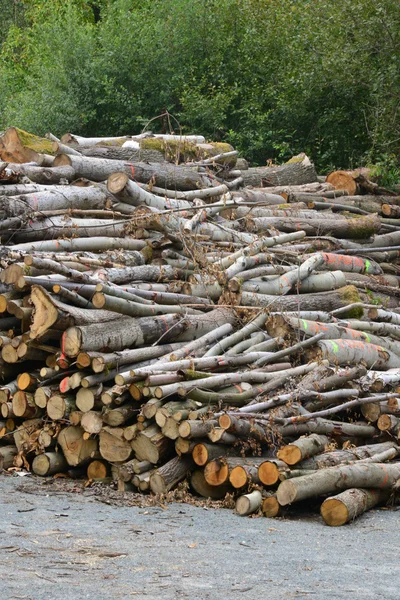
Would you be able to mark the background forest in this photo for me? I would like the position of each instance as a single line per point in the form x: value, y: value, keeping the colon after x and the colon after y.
x: 272, y: 77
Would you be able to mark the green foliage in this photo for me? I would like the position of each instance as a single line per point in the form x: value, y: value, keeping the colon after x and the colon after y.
x: 272, y: 77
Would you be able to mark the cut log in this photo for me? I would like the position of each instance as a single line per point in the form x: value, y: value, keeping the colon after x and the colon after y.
x: 302, y: 449
x: 112, y: 445
x: 249, y: 503
x: 270, y: 506
x: 18, y: 146
x: 49, y: 463
x: 202, y: 488
x: 298, y: 171
x: 7, y: 455
x: 151, y: 445
x: 77, y: 450
x: 164, y: 175
x: 167, y: 476
x: 381, y: 476
x: 350, y: 504
x: 97, y: 469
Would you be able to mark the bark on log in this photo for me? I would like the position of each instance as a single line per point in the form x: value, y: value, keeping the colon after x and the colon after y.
x: 381, y: 476
x: 337, y: 457
x: 112, y: 445
x: 167, y: 476
x: 300, y: 171
x: 202, y: 488
x: 302, y: 449
x: 49, y: 463
x: 98, y: 169
x: 350, y: 504
x: 249, y: 503
x: 77, y: 450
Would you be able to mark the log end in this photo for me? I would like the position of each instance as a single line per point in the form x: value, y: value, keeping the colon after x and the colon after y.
x: 216, y: 473
x: 291, y: 455
x: 286, y: 493
x: 268, y: 473
x: 270, y: 507
x: 238, y: 478
x: 334, y: 512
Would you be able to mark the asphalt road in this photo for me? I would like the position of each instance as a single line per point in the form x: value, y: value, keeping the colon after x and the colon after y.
x: 59, y: 541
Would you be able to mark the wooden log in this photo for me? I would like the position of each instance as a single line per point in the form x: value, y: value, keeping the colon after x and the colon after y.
x: 269, y: 471
x: 302, y: 449
x: 97, y: 469
x: 203, y: 453
x: 7, y: 455
x: 91, y: 422
x: 344, y: 180
x: 164, y: 175
x: 112, y: 445
x: 196, y: 429
x: 151, y: 445
x: 120, y: 334
x: 337, y: 457
x: 248, y: 503
x: 43, y: 394
x: 49, y: 311
x: 345, y: 352
x: 89, y: 398
x: 118, y: 416
x: 77, y: 450
x: 244, y: 475
x: 202, y: 488
x: 350, y: 504
x: 23, y: 405
x: 49, y: 463
x: 343, y: 477
x: 325, y: 301
x: 19, y: 146
x: 270, y: 506
x: 300, y: 171
x: 59, y: 407
x: 166, y: 477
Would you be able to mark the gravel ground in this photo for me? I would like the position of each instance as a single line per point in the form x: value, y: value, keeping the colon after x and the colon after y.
x: 59, y: 541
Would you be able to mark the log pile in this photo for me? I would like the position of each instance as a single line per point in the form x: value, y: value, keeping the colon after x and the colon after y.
x: 234, y: 328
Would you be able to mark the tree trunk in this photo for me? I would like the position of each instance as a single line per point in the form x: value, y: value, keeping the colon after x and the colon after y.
x: 298, y: 172
x: 49, y: 312
x: 302, y: 448
x: 350, y: 504
x: 249, y: 503
x: 202, y: 488
x: 113, y: 447
x: 338, y: 457
x: 350, y: 352
x: 341, y: 228
x: 120, y: 334
x: 60, y: 407
x: 19, y: 146
x: 203, y: 453
x: 49, y: 463
x: 166, y: 477
x: 151, y: 445
x: 325, y: 301
x: 77, y: 450
x: 69, y: 198
x: 325, y: 481
x: 7, y: 454
x: 92, y: 244
x: 163, y: 175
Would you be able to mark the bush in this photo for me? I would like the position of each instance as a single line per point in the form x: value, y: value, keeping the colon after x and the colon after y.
x: 271, y: 77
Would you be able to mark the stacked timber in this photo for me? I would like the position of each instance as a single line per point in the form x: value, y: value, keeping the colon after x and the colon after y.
x: 163, y: 321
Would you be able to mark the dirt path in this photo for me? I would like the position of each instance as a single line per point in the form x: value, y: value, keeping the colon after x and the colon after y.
x: 61, y: 542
